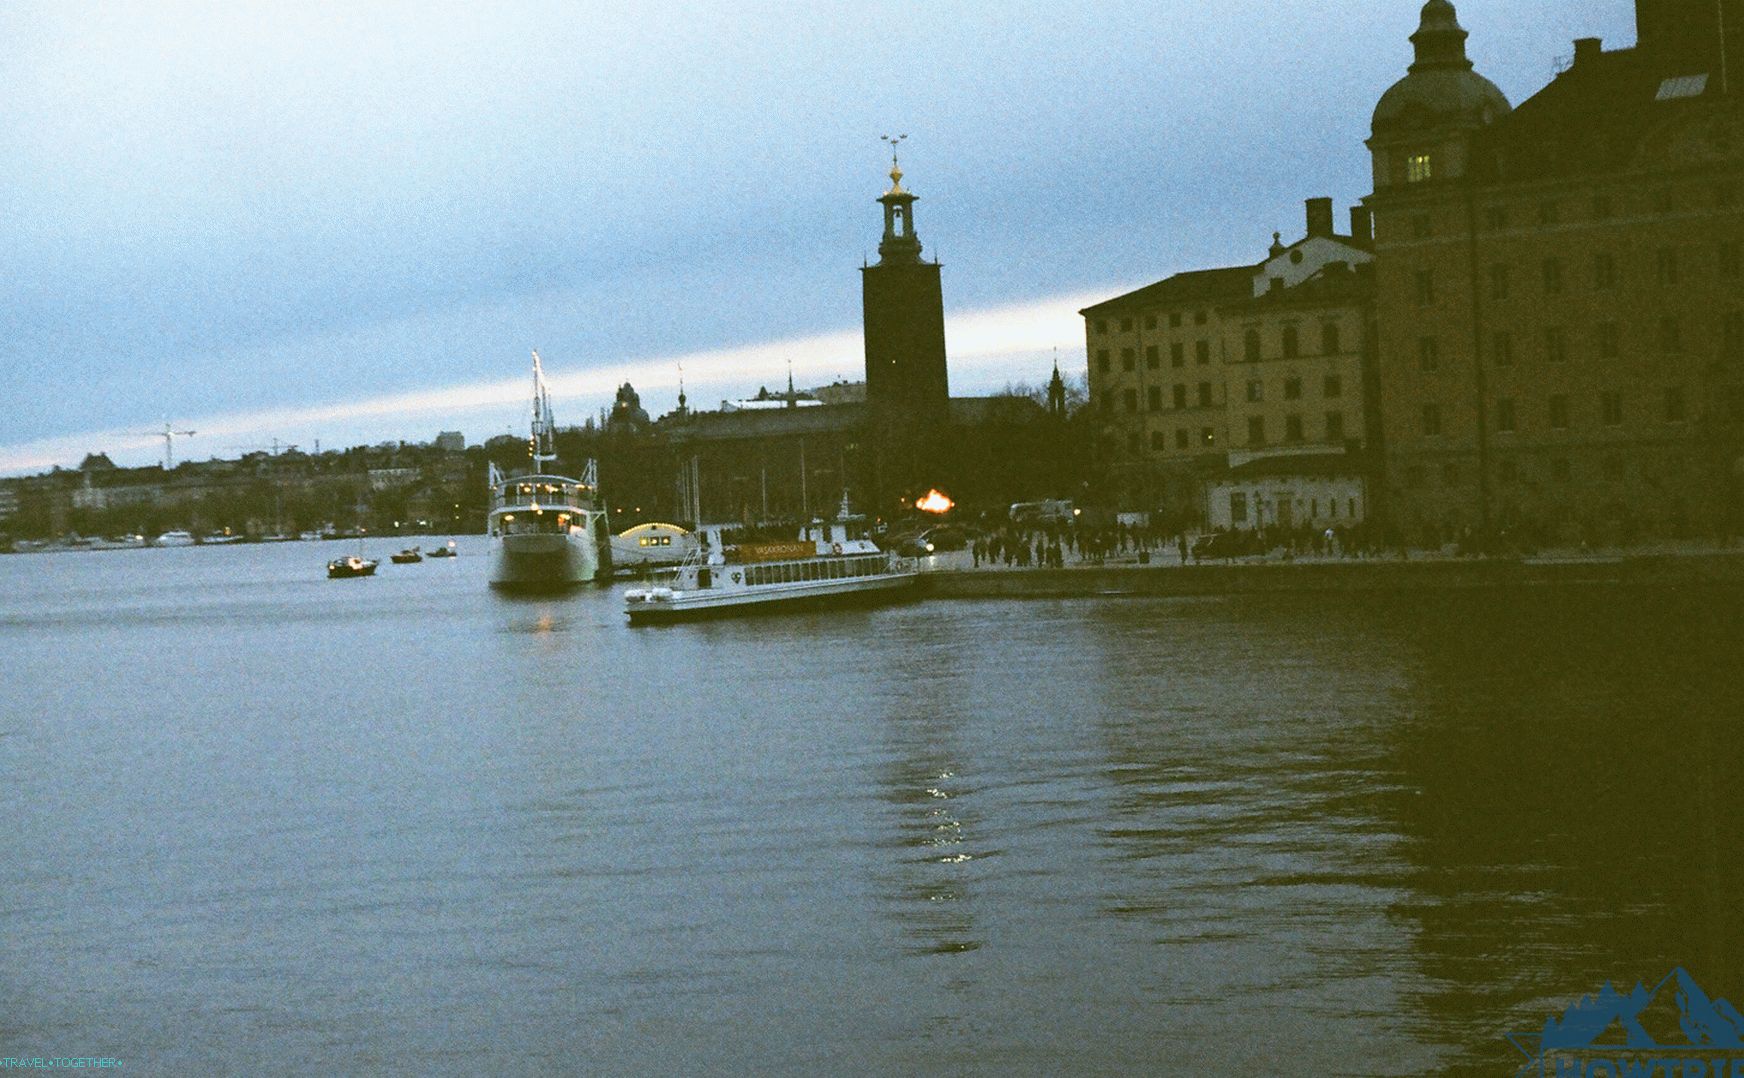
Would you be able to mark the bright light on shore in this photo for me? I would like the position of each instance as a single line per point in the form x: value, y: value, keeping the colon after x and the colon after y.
x: 934, y: 501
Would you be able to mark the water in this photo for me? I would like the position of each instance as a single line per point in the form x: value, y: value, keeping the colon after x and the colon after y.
x: 256, y: 821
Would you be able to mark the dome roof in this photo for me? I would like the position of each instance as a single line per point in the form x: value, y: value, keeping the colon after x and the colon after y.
x: 1441, y: 86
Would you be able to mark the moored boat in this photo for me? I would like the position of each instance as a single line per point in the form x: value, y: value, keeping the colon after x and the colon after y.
x: 351, y: 565
x: 828, y: 565
x: 547, y: 532
x: 409, y: 556
x: 443, y: 551
x: 175, y: 538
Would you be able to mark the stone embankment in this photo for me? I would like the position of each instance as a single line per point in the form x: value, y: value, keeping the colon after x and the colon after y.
x: 1238, y: 578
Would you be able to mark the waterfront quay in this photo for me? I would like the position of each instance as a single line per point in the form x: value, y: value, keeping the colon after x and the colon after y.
x: 954, y: 576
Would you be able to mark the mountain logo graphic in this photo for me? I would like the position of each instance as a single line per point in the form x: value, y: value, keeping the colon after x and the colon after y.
x: 1674, y: 1028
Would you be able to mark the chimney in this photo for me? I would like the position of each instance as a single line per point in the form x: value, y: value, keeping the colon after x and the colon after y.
x: 1586, y: 50
x: 1319, y: 217
x: 1362, y: 224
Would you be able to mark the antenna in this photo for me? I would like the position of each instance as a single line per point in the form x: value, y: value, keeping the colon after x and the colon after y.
x: 541, y: 446
x: 895, y: 141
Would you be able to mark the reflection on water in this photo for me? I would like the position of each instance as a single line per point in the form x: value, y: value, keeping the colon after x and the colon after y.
x: 263, y: 822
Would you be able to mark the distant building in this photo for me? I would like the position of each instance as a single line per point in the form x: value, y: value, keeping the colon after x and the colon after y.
x: 451, y: 441
x: 1212, y: 370
x: 1560, y: 286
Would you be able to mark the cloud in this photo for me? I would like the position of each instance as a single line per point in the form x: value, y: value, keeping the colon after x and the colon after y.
x: 984, y: 345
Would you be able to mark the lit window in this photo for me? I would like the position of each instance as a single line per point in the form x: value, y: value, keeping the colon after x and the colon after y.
x: 1419, y: 167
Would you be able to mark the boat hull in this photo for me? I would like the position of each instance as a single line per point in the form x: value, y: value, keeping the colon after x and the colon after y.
x: 539, y: 563
x: 775, y: 599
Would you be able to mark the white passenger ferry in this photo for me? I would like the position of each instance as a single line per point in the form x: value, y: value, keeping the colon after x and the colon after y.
x: 827, y: 565
x: 547, y: 532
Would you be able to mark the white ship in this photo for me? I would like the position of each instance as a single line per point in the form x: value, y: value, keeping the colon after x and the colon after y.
x: 651, y: 545
x: 547, y: 532
x: 830, y: 563
x: 175, y: 538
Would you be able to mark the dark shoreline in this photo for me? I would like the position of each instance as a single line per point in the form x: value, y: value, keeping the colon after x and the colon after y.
x: 1239, y: 578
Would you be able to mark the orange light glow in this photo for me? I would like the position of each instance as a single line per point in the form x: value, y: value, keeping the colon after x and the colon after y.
x: 934, y: 501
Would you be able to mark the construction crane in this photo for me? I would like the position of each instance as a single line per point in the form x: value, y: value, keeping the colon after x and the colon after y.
x: 169, y: 436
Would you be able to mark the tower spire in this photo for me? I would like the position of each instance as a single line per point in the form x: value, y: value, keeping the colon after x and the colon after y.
x: 900, y: 243
x: 1440, y: 40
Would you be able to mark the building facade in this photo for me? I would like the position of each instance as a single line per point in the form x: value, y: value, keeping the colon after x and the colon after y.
x: 1559, y: 287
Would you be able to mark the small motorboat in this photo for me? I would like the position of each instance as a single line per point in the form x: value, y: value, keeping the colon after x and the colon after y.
x: 349, y: 566
x: 409, y: 556
x: 443, y: 551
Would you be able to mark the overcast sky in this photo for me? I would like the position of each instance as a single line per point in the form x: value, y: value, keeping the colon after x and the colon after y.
x: 351, y: 221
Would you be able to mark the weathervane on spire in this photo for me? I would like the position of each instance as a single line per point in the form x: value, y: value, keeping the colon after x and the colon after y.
x: 895, y: 169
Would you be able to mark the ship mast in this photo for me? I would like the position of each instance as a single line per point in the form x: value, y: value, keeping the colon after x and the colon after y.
x: 542, y: 445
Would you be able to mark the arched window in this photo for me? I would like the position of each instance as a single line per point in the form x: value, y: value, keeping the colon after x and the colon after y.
x: 1292, y: 344
x: 1252, y: 346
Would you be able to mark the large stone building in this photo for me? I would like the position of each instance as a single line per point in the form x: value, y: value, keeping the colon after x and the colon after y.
x: 1212, y: 384
x: 1560, y: 289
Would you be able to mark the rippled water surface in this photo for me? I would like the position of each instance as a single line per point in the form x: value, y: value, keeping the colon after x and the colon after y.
x: 256, y: 821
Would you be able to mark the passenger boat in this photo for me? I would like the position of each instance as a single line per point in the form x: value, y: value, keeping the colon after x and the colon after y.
x: 828, y: 565
x: 409, y: 556
x: 349, y: 566
x: 547, y: 532
x: 653, y: 544
x: 175, y: 538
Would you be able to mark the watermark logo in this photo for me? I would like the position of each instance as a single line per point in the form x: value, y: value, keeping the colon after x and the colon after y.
x: 1671, y: 1030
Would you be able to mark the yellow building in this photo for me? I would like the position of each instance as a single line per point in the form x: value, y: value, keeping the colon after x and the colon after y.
x: 1559, y: 298
x: 1213, y: 369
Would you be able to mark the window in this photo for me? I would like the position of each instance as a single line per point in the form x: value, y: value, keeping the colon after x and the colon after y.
x: 1204, y: 394
x: 1292, y: 428
x: 1608, y: 340
x: 1732, y: 336
x: 1199, y: 318
x: 1250, y: 346
x: 1559, y: 468
x: 1611, y: 408
x: 1552, y: 276
x: 1202, y: 352
x: 1175, y: 319
x: 1549, y: 213
x: 1428, y: 354
x: 1450, y: 475
x: 1158, y: 442
x: 1421, y: 227
x: 1207, y: 437
x: 1604, y: 271
x: 1555, y: 345
x: 1238, y: 507
x: 1333, y: 387
x: 1154, y: 398
x: 1107, y: 404
x: 1496, y: 218
x: 1425, y: 287
x: 1180, y: 395
x: 1153, y: 358
x: 1662, y: 202
x: 1559, y: 412
x: 1150, y: 321
x: 1729, y: 258
x: 1419, y: 167
x: 1292, y: 389
x: 1102, y: 360
x: 1499, y: 281
x: 1335, y: 426
x: 1508, y: 469
x: 1177, y: 355
x: 1431, y: 419
x: 1329, y: 339
x: 1292, y: 343
x: 1256, y: 390
x: 1602, y: 208
x: 1505, y: 415
x: 1102, y: 325
x: 1670, y: 334
x: 1502, y: 350
x: 1132, y: 443
x: 1674, y: 406
x: 1414, y: 475
x: 1126, y: 325
x: 1127, y: 359
x: 1129, y: 397
x: 1666, y: 265
x: 1183, y: 439
x: 1256, y: 430
x: 1725, y: 195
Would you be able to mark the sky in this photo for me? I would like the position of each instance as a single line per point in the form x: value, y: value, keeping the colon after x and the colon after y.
x: 350, y: 222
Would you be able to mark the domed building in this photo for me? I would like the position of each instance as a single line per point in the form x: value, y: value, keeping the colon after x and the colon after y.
x: 1560, y: 288
x: 1423, y: 126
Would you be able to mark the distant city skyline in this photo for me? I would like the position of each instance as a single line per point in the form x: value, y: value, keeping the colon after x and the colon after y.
x: 351, y: 224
